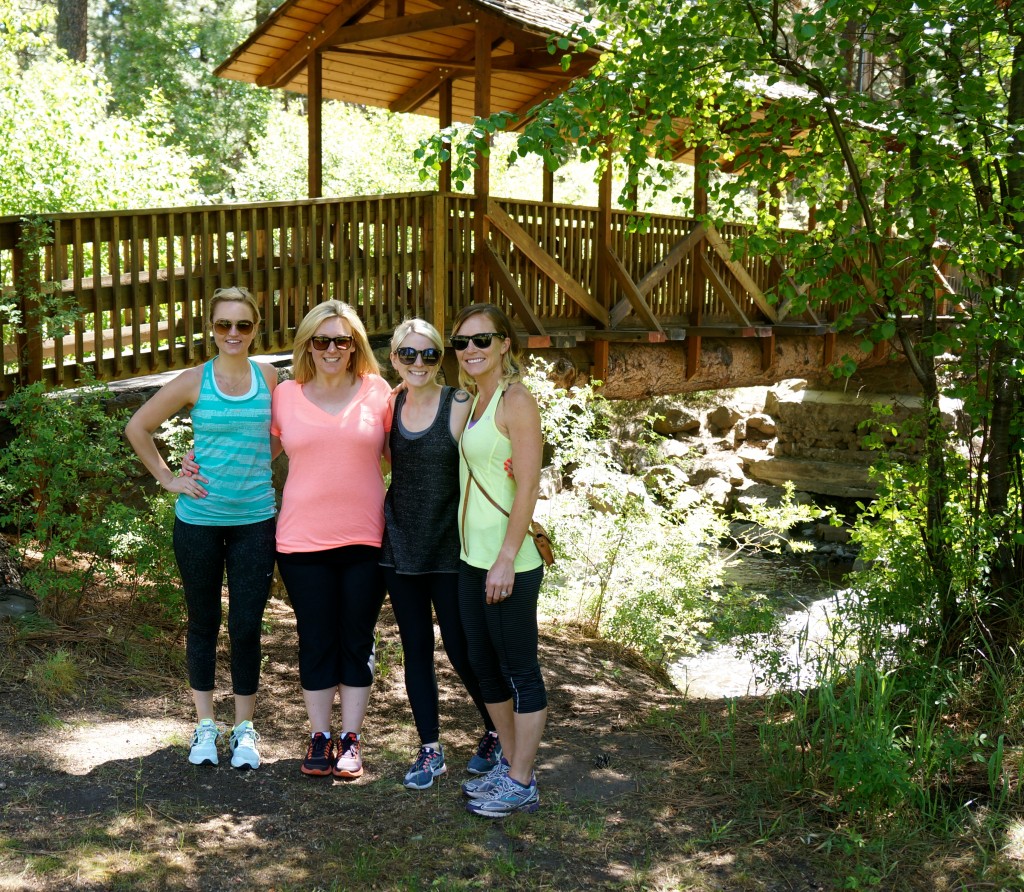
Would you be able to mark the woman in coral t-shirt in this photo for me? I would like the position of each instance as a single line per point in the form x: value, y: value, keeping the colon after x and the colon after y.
x: 332, y: 421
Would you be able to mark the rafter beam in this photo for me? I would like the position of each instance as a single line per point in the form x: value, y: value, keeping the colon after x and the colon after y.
x: 421, y: 91
x: 453, y: 67
x: 283, y: 70
x: 437, y: 20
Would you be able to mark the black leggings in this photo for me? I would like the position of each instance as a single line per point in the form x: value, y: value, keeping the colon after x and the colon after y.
x: 337, y: 595
x: 502, y: 638
x: 411, y: 598
x: 203, y: 553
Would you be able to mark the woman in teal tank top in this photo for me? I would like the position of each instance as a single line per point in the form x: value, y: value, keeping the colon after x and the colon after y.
x: 500, y: 571
x: 224, y: 520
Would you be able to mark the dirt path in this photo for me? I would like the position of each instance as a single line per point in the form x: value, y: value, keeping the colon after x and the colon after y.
x: 98, y: 794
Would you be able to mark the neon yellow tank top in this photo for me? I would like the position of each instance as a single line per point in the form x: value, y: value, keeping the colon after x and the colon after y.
x: 483, y: 526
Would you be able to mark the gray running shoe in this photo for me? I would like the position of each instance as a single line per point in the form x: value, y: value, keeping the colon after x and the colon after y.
x: 479, y: 787
x: 507, y: 798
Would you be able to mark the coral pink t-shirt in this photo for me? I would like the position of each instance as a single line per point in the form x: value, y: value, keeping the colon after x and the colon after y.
x: 334, y: 493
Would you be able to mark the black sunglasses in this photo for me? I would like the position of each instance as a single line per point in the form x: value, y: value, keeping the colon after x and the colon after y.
x: 223, y: 326
x: 322, y: 342
x: 407, y: 355
x: 481, y: 341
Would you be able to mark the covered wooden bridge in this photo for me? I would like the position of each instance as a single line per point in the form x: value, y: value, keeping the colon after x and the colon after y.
x: 666, y: 310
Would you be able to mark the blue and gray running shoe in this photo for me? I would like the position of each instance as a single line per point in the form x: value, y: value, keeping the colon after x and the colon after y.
x: 428, y: 765
x: 480, y: 787
x: 507, y: 797
x: 488, y: 754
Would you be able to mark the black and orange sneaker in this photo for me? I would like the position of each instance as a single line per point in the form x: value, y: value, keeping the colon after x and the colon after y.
x: 319, y: 761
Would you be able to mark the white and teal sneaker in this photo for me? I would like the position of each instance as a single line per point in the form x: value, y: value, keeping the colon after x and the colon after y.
x: 507, y: 798
x: 428, y: 765
x: 204, y: 743
x: 243, y: 746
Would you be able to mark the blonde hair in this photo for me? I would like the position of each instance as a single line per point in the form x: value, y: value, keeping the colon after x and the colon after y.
x: 240, y: 295
x: 511, y: 359
x: 420, y: 327
x: 363, y: 360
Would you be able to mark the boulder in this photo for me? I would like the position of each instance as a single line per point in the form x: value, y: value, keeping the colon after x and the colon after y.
x: 674, y: 420
x: 722, y: 419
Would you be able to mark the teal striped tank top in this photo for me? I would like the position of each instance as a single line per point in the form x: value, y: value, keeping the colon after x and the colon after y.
x: 232, y: 443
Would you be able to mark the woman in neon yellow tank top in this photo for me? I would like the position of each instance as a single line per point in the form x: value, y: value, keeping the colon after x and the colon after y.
x: 500, y: 570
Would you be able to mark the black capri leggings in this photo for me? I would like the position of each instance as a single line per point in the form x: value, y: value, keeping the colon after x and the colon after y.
x: 411, y: 598
x: 502, y: 638
x: 203, y: 553
x: 337, y: 595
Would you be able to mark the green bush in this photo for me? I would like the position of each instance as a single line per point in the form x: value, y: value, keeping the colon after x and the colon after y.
x: 68, y: 492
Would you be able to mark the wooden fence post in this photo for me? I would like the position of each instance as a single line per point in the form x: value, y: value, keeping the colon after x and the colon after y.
x: 28, y: 287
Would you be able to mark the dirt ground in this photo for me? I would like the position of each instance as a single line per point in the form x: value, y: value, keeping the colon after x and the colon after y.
x: 641, y: 788
x: 96, y: 792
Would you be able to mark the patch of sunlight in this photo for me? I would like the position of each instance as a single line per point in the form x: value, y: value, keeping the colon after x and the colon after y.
x: 1014, y: 847
x: 88, y: 745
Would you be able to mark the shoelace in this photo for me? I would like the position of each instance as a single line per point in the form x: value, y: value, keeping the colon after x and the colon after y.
x: 207, y: 734
x: 425, y: 758
x: 317, y: 747
x: 488, y: 744
x: 349, y: 745
x: 247, y: 738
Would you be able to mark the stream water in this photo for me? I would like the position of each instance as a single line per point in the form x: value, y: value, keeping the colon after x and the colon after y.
x: 804, y: 596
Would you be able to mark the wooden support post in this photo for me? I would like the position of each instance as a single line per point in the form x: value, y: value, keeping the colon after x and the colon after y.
x: 27, y: 286
x: 828, y: 351
x: 436, y: 252
x: 314, y: 75
x: 767, y: 352
x: 692, y: 355
x: 604, y: 233
x: 695, y: 311
x: 599, y: 372
x: 482, y: 180
x: 444, y: 120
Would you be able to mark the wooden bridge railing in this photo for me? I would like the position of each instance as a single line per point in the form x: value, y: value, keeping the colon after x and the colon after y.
x: 124, y: 293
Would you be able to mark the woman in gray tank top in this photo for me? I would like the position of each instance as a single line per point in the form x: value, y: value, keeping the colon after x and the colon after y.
x: 421, y: 542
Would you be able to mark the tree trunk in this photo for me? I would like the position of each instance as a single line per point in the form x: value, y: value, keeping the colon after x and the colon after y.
x: 73, y: 28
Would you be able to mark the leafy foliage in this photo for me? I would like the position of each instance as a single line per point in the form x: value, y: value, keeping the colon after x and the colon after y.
x: 157, y: 52
x: 64, y: 479
x: 60, y: 149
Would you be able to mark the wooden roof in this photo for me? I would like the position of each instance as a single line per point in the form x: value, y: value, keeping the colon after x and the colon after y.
x: 396, y: 54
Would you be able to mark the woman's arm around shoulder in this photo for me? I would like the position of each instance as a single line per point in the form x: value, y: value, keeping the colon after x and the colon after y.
x: 462, y: 405
x: 519, y: 420
x: 269, y: 374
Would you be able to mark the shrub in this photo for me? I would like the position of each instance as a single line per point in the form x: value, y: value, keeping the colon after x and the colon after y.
x: 67, y: 490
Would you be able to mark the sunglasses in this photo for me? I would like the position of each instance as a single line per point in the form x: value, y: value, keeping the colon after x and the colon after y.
x: 407, y: 355
x: 322, y: 342
x: 242, y: 326
x: 481, y: 341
